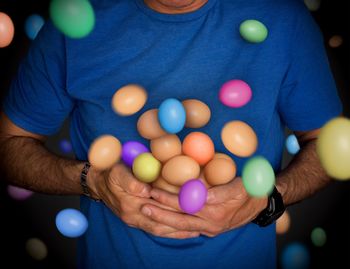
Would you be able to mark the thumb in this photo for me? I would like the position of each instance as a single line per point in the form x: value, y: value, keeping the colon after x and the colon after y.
x: 234, y: 190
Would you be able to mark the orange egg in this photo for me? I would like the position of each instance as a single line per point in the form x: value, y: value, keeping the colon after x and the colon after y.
x: 198, y: 146
x: 219, y: 171
x: 7, y: 30
x: 166, y: 147
x: 197, y: 113
x: 219, y: 155
x: 239, y: 138
x: 283, y: 223
x: 180, y: 169
x: 148, y: 125
x: 104, y: 152
x: 162, y: 184
x: 129, y: 99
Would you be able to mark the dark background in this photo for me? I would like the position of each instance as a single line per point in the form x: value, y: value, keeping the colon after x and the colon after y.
x: 35, y: 217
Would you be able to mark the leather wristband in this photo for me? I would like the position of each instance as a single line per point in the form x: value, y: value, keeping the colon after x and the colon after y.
x: 83, y: 181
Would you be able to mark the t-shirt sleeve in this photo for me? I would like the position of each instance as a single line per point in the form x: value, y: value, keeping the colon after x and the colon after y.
x: 37, y: 100
x: 308, y: 96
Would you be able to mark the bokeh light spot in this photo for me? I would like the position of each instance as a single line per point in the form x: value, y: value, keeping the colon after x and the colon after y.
x: 318, y: 237
x: 36, y: 249
x: 295, y: 256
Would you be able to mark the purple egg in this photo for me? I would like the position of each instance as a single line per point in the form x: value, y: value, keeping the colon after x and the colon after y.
x: 131, y: 150
x: 18, y: 193
x: 192, y: 196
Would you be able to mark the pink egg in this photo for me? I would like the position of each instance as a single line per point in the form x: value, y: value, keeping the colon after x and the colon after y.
x: 235, y: 93
x: 17, y: 193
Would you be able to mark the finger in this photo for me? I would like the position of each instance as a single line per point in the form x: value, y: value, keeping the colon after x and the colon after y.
x: 166, y: 198
x: 156, y: 203
x: 176, y: 220
x: 221, y: 193
x: 125, y: 179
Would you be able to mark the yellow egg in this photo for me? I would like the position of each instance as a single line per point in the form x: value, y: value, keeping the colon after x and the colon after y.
x: 146, y: 168
x: 220, y: 171
x: 239, y: 138
x: 148, y: 125
x: 104, y: 152
x: 129, y: 99
x: 197, y: 113
x: 166, y: 147
x: 180, y: 169
x: 162, y: 184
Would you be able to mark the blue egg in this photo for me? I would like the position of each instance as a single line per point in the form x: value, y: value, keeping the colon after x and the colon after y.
x: 172, y: 115
x: 292, y: 144
x: 295, y: 256
x: 71, y: 222
x: 33, y: 25
x: 66, y: 146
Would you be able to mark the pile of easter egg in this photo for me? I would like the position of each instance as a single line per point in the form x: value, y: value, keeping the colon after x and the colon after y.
x: 189, y: 167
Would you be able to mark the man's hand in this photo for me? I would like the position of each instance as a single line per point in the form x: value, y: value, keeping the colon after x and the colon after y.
x: 125, y: 196
x: 228, y: 206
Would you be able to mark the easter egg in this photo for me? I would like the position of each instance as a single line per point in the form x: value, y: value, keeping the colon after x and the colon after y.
x: 166, y: 147
x: 18, y: 193
x: 172, y: 115
x: 71, y: 222
x: 235, y: 93
x: 129, y: 99
x: 219, y: 155
x: 295, y: 256
x: 198, y: 146
x: 253, y: 31
x: 219, y: 171
x: 292, y: 144
x: 104, y: 152
x: 131, y: 150
x: 239, y: 138
x: 197, y: 113
x: 33, y: 25
x: 148, y: 125
x: 7, y: 30
x: 146, y: 168
x: 192, y: 196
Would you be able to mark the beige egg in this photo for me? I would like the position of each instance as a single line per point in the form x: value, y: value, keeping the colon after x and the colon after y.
x: 202, y: 178
x: 166, y: 147
x: 239, y: 138
x: 197, y: 113
x: 129, y: 99
x: 104, y: 152
x: 148, y: 125
x: 180, y: 169
x: 220, y: 171
x: 283, y: 223
x: 219, y: 155
x: 162, y: 184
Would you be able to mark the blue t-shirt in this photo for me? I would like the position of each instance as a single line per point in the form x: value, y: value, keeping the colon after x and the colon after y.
x: 181, y: 56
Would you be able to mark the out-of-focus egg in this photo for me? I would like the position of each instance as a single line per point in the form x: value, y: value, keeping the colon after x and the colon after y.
x: 146, y: 168
x: 219, y: 171
x: 180, y: 169
x: 162, y: 184
x: 198, y: 146
x: 129, y: 99
x: 7, y: 30
x: 239, y: 138
x: 104, y: 152
x: 197, y: 113
x: 148, y: 125
x: 283, y: 223
x: 172, y: 115
x: 166, y: 147
x: 219, y: 155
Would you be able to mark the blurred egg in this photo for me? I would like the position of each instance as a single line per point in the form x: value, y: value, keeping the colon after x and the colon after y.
x: 235, y: 93
x: 162, y: 184
x: 198, y: 146
x: 74, y: 18
x: 292, y: 144
x: 219, y: 155
x: 65, y: 146
x: 33, y: 25
x: 18, y: 193
x: 313, y: 5
x: 7, y: 30
x: 219, y: 171
x: 129, y: 99
x: 104, y: 152
x: 239, y: 138
x: 283, y: 223
x: 179, y: 169
x: 166, y: 147
x: 253, y: 31
x: 146, y: 168
x: 335, y: 41
x: 318, y: 237
x: 192, y: 196
x: 148, y: 125
x: 71, y: 222
x: 131, y: 150
x: 258, y: 177
x: 333, y: 148
x: 172, y: 115
x: 197, y: 113
x: 295, y: 256
x: 36, y: 249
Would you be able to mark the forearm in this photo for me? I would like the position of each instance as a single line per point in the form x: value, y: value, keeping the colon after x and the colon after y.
x: 26, y: 162
x: 303, y: 176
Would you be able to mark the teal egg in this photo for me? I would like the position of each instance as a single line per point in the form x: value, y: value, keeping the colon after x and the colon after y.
x: 74, y: 18
x: 253, y: 31
x: 258, y: 177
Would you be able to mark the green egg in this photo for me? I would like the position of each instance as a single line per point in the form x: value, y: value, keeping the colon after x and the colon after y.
x: 74, y: 18
x: 253, y: 31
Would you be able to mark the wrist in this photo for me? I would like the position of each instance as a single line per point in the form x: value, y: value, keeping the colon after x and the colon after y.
x: 91, y: 181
